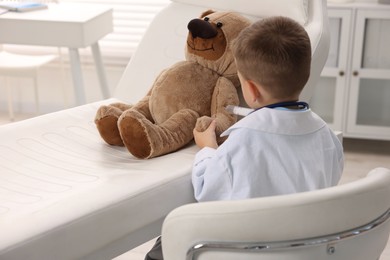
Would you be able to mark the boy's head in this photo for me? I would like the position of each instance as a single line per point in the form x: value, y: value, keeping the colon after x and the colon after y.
x: 274, y: 53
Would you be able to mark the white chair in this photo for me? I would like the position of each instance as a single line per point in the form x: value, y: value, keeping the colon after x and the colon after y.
x: 21, y: 66
x: 345, y: 222
x: 65, y: 194
x: 14, y: 65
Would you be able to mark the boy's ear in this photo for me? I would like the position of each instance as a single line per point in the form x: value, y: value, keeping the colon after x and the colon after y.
x: 253, y: 90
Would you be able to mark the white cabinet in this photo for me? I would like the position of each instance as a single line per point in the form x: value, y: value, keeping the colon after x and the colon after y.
x: 329, y: 97
x: 353, y: 94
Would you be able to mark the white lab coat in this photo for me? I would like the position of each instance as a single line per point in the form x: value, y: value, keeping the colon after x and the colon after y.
x: 269, y: 152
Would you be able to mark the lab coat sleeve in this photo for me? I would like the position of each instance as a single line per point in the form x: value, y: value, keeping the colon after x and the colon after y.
x: 211, y: 176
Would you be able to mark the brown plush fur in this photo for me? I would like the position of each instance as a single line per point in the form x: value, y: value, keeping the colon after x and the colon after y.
x: 188, y: 94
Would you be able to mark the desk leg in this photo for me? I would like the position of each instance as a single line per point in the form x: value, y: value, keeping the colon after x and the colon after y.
x: 77, y: 76
x: 100, y: 70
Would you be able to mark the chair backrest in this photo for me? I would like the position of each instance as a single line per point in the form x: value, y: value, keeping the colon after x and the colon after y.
x: 349, y: 221
x: 163, y: 43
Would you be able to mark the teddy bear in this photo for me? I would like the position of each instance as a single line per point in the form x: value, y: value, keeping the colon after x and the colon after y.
x: 187, y: 95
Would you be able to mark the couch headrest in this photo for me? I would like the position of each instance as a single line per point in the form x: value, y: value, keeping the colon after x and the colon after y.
x: 295, y: 9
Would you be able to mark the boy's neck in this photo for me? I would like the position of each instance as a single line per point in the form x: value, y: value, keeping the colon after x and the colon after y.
x: 272, y: 101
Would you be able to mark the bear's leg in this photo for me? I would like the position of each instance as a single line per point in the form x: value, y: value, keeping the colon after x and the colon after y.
x: 145, y: 139
x: 106, y: 121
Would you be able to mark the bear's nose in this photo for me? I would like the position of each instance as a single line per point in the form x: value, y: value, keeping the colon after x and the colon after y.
x: 202, y: 29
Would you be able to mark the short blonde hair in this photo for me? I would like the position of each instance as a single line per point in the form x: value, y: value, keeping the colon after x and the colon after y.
x: 274, y: 52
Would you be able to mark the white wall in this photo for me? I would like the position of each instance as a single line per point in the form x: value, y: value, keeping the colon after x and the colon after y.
x: 358, y: 1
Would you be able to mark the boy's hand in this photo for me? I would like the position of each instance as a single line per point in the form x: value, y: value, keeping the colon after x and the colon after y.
x: 206, y: 138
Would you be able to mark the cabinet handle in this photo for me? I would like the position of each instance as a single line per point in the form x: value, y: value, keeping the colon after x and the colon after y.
x: 341, y: 73
x: 355, y: 73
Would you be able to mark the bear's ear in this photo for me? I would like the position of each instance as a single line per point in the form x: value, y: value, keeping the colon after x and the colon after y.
x: 205, y: 13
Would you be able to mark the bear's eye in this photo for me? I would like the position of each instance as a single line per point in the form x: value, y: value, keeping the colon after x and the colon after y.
x: 219, y: 24
x: 206, y: 19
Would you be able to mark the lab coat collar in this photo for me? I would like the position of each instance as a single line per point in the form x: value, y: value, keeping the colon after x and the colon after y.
x: 284, y: 122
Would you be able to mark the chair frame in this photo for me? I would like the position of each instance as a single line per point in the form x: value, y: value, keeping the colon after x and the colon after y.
x: 291, y: 244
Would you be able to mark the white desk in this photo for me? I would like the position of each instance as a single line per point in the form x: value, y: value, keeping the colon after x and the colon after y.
x: 63, y: 25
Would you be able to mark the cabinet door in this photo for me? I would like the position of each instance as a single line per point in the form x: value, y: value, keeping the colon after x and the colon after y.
x: 328, y: 100
x: 369, y: 102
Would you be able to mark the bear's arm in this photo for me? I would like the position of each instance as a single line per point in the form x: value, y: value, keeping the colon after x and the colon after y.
x: 225, y: 93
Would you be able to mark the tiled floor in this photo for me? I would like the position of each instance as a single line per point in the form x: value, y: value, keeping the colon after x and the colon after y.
x: 360, y: 157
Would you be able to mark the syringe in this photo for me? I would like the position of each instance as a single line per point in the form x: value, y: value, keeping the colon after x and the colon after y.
x: 240, y: 111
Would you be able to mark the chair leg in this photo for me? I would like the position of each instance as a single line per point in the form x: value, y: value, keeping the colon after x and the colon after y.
x: 10, y: 100
x: 37, y: 108
x: 62, y: 64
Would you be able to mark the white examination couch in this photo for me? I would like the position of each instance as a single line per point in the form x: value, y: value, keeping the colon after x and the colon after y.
x: 65, y: 194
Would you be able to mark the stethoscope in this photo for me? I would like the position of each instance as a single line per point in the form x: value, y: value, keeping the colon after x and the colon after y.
x: 298, y: 104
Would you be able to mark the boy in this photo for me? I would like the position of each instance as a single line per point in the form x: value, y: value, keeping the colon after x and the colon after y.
x: 280, y: 148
